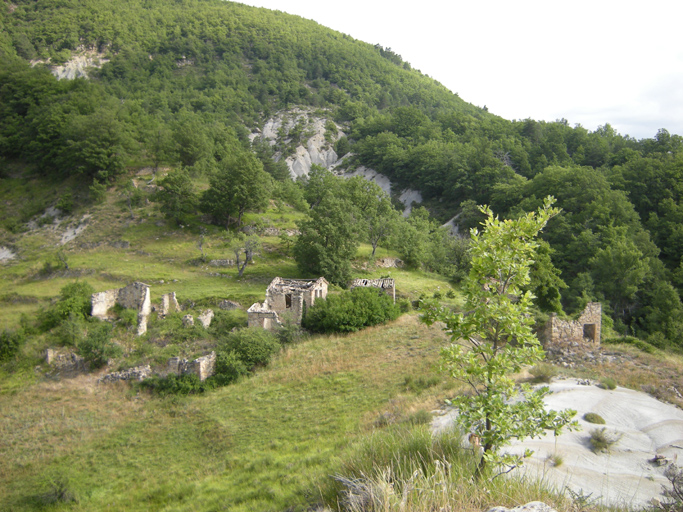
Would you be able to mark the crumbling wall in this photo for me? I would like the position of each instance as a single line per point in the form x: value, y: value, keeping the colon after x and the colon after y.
x: 134, y: 296
x: 258, y: 315
x: 584, y: 331
x: 203, y: 367
x: 169, y: 304
x: 286, y: 297
x: 387, y: 285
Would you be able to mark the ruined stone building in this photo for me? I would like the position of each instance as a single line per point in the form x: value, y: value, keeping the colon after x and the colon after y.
x: 387, y: 285
x: 134, y: 296
x: 286, y: 297
x: 585, y: 331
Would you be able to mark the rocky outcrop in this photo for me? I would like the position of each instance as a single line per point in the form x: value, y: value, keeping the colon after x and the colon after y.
x: 78, y: 65
x: 315, y: 148
x: 188, y: 321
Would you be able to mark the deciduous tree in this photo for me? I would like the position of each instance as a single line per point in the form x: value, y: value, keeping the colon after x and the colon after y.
x: 493, y: 339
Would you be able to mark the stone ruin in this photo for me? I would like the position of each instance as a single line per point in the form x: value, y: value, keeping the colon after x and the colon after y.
x: 137, y: 296
x: 134, y: 296
x: 203, y: 367
x: 169, y: 304
x: 583, y: 332
x: 387, y: 285
x: 286, y: 297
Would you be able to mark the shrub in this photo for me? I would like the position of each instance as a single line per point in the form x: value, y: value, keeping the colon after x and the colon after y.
x: 592, y: 417
x: 350, y: 311
x: 97, y: 348
x: 10, y: 341
x: 172, y: 384
x: 229, y: 368
x: 603, y: 441
x: 437, y: 295
x: 127, y: 317
x: 225, y: 321
x: 608, y: 383
x: 543, y: 373
x: 450, y: 294
x: 253, y: 346
x: 555, y: 460
x: 74, y: 299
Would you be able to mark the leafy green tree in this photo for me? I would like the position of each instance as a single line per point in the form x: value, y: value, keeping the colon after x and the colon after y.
x: 328, y: 241
x: 494, y: 339
x: 374, y: 210
x: 239, y: 185
x: 176, y: 196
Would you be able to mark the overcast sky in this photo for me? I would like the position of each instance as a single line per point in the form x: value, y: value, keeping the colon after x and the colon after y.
x: 590, y: 62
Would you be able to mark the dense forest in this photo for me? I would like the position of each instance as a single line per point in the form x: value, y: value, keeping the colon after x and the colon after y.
x: 185, y: 82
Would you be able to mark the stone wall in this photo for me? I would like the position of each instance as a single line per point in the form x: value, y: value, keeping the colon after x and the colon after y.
x: 203, y: 367
x: 134, y: 296
x: 169, y: 304
x: 584, y: 331
x: 387, y: 285
x: 286, y: 297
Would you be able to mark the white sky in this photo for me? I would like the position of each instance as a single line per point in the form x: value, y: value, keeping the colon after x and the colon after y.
x: 590, y: 62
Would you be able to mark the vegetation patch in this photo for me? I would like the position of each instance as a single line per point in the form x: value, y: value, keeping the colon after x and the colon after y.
x: 592, y: 417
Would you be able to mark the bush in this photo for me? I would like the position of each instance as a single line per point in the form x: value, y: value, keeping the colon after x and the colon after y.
x: 603, y: 441
x: 543, y: 373
x: 350, y: 311
x: 253, y: 346
x: 97, y: 348
x: 225, y: 321
x: 592, y: 417
x: 229, y: 368
x: 608, y: 383
x: 172, y: 384
x: 74, y: 299
x: 10, y: 341
x: 127, y: 317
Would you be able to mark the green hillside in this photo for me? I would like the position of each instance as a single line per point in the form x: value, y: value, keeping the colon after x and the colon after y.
x: 152, y: 169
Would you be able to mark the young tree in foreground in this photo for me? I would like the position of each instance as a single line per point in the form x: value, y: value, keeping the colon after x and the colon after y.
x: 494, y: 340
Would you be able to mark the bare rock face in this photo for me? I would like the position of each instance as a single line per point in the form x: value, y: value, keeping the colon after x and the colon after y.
x: 76, y: 67
x: 314, y: 148
x: 534, y: 506
x: 188, y: 321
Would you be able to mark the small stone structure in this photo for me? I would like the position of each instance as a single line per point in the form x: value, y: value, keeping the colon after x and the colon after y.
x: 387, y: 285
x: 134, y: 296
x: 139, y: 373
x: 286, y: 297
x: 205, y: 318
x: 169, y: 304
x: 203, y: 367
x: 585, y: 331
x: 65, y: 363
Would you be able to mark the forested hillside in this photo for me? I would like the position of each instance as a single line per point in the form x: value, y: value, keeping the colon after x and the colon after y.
x: 186, y: 82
